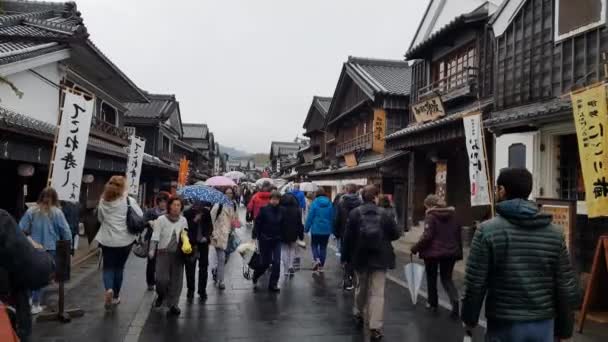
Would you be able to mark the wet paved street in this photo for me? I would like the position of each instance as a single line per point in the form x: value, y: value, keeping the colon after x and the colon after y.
x: 309, y: 308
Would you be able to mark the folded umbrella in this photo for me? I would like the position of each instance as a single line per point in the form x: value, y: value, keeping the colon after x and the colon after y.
x: 413, y: 275
x: 203, y: 193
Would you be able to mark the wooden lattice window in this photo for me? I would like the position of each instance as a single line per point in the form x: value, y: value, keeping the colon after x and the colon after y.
x: 570, y: 180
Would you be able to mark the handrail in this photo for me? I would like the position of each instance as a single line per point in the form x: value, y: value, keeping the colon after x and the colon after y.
x: 107, y: 128
x: 361, y: 142
x: 444, y: 85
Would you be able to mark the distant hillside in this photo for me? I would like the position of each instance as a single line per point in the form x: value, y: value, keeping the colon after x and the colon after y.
x: 233, y: 152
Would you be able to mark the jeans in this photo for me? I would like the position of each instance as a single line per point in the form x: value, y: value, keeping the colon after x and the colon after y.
x: 446, y: 267
x: 503, y: 331
x: 37, y: 294
x: 318, y: 244
x: 369, y: 297
x: 203, y: 264
x: 270, y: 252
x: 114, y: 260
x: 288, y: 254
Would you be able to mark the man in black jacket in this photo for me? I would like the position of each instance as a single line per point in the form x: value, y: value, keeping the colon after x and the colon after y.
x: 22, y: 269
x: 367, y: 247
x: 267, y: 230
x: 347, y: 203
x: 200, y: 229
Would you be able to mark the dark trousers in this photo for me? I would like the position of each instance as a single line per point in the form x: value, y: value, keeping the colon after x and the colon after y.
x: 270, y: 253
x: 318, y: 244
x: 151, y: 271
x: 202, y: 250
x: 446, y: 267
x: 114, y: 260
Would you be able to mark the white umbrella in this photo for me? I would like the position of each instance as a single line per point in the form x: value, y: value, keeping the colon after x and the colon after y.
x: 235, y: 175
x: 413, y: 275
x: 309, y: 187
x: 261, y: 181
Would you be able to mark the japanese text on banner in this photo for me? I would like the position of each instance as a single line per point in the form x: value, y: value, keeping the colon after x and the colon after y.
x: 591, y: 120
x: 134, y: 164
x: 480, y: 190
x: 71, y: 148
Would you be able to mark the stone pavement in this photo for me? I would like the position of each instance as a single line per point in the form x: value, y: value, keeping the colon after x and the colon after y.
x: 309, y: 308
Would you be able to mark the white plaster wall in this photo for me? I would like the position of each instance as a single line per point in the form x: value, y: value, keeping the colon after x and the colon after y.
x: 40, y: 98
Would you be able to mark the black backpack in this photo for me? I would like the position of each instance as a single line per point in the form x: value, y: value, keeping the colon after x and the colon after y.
x: 371, y: 231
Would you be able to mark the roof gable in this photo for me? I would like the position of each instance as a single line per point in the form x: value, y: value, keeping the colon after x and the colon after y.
x: 160, y: 107
x: 27, y: 26
x: 195, y: 131
x: 440, y: 13
x: 278, y: 148
x: 315, y: 120
x: 364, y: 79
x: 504, y: 15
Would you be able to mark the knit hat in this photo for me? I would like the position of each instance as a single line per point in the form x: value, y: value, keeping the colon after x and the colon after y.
x: 433, y: 201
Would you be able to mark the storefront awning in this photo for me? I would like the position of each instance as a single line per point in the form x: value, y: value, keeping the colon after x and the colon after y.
x: 531, y: 115
x: 365, y: 164
x: 341, y: 182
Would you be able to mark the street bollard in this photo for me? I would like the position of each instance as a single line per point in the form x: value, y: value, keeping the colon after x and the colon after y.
x: 62, y: 274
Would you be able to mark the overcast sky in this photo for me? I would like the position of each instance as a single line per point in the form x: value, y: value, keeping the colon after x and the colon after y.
x: 247, y: 68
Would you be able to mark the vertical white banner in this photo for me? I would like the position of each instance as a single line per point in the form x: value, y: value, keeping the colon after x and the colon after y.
x: 480, y: 192
x: 134, y: 163
x: 71, y: 148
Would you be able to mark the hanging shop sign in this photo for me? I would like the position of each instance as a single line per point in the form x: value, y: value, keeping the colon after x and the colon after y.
x: 591, y: 120
x: 71, y: 145
x: 441, y: 179
x: 428, y: 110
x: 135, y: 162
x: 184, y: 165
x: 478, y: 176
x: 379, y: 130
x: 350, y: 159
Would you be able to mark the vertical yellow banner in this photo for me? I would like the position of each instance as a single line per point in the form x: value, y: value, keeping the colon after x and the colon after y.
x: 379, y: 130
x: 591, y: 119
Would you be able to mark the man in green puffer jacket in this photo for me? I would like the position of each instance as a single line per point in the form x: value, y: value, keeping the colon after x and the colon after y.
x: 520, y: 259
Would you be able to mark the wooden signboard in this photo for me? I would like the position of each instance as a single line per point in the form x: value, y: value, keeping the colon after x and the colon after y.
x: 441, y: 179
x: 564, y: 215
x: 379, y: 130
x: 428, y: 110
x: 595, y: 304
x: 350, y: 159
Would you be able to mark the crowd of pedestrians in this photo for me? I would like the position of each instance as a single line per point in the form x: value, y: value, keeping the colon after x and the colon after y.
x: 518, y: 263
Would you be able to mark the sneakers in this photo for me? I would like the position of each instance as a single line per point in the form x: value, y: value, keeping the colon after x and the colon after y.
x: 375, y: 335
x: 36, y: 309
x: 174, y: 311
x: 221, y: 286
x: 359, y: 321
x: 274, y: 289
x: 108, y: 298
x: 291, y: 272
x: 320, y: 269
x: 202, y: 296
x: 315, y: 266
x: 158, y: 302
x: 116, y: 301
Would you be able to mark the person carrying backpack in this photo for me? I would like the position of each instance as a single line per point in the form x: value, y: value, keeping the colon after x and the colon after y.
x: 367, y: 247
x: 347, y: 202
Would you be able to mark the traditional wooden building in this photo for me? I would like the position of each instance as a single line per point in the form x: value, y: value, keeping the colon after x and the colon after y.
x: 197, y: 136
x: 314, y: 126
x: 283, y: 155
x: 371, y: 100
x: 451, y: 77
x: 46, y: 47
x: 544, y: 50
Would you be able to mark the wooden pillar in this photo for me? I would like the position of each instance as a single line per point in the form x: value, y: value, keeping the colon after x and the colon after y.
x: 411, y: 180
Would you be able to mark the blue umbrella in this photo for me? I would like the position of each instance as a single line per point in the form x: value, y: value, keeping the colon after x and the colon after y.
x: 204, y: 193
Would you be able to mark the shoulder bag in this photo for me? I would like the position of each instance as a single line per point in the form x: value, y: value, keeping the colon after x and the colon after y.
x: 135, y: 223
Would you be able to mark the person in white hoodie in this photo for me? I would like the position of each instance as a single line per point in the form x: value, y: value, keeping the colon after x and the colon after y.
x: 113, y: 236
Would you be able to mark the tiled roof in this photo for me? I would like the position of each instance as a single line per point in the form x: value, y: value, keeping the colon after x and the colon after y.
x: 30, y: 25
x: 391, y: 77
x: 284, y: 148
x: 159, y: 107
x: 370, y: 162
x: 538, y: 111
x: 455, y: 114
x: 195, y: 131
x: 324, y: 103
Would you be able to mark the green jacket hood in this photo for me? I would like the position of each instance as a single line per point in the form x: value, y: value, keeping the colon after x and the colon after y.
x: 523, y: 213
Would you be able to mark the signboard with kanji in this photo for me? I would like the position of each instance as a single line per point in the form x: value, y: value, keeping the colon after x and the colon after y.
x: 350, y: 159
x: 379, y: 130
x: 428, y: 110
x: 591, y: 120
x: 134, y: 163
x: 478, y: 176
x: 71, y: 145
x: 441, y: 179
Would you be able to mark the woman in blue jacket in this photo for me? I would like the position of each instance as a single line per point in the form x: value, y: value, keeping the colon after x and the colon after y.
x: 320, y: 223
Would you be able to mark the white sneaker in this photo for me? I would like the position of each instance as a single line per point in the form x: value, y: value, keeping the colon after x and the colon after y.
x: 36, y: 309
x: 116, y: 301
